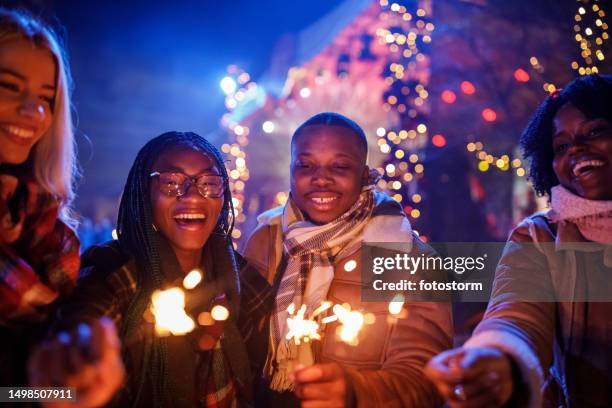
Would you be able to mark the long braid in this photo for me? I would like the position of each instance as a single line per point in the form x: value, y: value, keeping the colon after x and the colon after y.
x: 138, y: 238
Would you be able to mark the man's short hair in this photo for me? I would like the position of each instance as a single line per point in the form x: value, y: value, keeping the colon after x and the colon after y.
x: 334, y: 119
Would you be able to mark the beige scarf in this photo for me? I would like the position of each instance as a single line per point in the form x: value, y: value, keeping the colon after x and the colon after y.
x: 308, y: 275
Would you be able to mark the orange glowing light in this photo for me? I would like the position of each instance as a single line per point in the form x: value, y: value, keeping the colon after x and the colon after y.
x: 521, y: 75
x: 448, y: 96
x: 489, y: 115
x: 468, y: 88
x: 438, y: 140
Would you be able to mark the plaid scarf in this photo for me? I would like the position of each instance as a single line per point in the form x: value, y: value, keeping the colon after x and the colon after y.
x: 221, y: 388
x: 306, y: 280
x: 39, y: 254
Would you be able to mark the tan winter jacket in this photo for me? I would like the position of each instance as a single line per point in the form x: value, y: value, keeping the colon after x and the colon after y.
x: 386, y: 367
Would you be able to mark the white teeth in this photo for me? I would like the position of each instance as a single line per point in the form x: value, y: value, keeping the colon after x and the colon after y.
x: 323, y: 200
x: 586, y: 163
x: 189, y: 217
x: 18, y: 131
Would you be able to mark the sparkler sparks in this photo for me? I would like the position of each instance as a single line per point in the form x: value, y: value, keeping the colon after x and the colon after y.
x: 351, y: 323
x: 192, y: 279
x: 219, y: 313
x: 168, y: 308
x: 302, y: 329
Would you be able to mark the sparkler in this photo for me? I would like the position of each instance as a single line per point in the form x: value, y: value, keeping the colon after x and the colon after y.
x: 302, y: 329
x: 168, y: 309
x: 351, y: 323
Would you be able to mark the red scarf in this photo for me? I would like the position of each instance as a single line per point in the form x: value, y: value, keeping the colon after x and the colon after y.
x: 39, y: 254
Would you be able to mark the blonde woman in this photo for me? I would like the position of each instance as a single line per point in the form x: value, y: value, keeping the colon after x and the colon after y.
x: 39, y: 252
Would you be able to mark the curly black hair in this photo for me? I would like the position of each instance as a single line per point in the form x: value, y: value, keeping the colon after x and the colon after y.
x: 590, y: 94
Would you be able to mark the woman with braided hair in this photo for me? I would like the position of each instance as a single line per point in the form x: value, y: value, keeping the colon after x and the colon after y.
x: 176, y: 215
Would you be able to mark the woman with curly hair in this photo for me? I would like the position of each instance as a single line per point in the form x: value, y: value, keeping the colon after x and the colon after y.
x: 176, y: 215
x: 546, y: 334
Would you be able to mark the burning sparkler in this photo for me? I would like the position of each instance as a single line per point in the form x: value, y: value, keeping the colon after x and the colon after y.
x: 351, y: 323
x: 302, y: 329
x: 168, y: 308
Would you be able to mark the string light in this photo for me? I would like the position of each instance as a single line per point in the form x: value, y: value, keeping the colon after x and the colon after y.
x: 239, y: 89
x: 448, y: 96
x: 467, y: 88
x: 406, y: 31
x: 591, y: 35
x: 489, y: 115
x: 502, y: 163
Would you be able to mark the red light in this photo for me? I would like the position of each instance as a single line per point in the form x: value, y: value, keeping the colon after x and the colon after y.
x: 449, y: 96
x: 407, y: 209
x: 489, y: 114
x: 468, y: 88
x: 521, y: 75
x: 438, y: 140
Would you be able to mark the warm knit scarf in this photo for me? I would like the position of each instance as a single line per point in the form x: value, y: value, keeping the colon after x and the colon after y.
x: 592, y: 217
x: 310, y: 249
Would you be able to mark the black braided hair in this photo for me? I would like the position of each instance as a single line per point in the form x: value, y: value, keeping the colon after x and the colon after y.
x: 590, y: 94
x: 138, y: 238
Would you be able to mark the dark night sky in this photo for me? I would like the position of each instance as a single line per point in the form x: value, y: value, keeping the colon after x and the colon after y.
x: 144, y: 67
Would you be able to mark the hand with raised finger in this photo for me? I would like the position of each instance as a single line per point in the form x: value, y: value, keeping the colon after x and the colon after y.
x: 323, y: 385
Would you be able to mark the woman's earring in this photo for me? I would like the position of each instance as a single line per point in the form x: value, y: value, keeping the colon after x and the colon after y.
x: 154, y: 227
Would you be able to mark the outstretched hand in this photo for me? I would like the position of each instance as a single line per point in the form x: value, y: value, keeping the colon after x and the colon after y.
x: 472, y: 377
x: 87, y: 358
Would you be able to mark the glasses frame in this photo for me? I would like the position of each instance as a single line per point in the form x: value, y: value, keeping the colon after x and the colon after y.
x: 190, y: 181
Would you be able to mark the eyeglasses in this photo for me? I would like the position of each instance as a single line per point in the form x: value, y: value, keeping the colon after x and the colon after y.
x: 177, y: 184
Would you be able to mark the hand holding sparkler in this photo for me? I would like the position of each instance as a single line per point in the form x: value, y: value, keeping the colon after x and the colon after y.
x: 168, y: 312
x: 325, y: 385
x: 472, y: 377
x: 87, y: 358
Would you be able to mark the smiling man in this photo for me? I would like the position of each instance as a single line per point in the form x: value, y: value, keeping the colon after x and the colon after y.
x: 328, y: 169
x: 300, y: 254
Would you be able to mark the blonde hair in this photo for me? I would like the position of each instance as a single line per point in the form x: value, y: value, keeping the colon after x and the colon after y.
x: 53, y: 157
